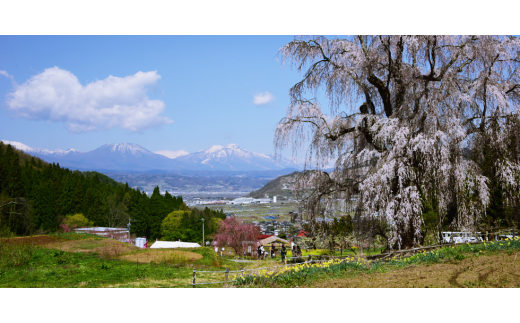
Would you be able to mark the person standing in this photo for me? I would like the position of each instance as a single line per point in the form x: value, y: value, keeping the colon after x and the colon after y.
x: 262, y: 251
x: 259, y: 251
x: 283, y: 253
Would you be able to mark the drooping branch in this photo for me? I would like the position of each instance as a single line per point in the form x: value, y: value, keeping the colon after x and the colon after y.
x: 428, y: 100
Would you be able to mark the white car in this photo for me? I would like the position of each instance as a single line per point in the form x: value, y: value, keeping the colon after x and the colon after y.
x: 461, y: 237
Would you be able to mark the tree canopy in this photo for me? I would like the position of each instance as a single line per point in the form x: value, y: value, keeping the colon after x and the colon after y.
x: 412, y: 121
x: 186, y: 225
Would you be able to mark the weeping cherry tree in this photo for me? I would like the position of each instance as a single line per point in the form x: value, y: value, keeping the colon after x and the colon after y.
x: 406, y: 116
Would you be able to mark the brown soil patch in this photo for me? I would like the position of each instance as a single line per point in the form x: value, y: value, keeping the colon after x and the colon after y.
x: 33, y: 240
x: 501, y: 270
x: 107, y: 248
x: 163, y: 256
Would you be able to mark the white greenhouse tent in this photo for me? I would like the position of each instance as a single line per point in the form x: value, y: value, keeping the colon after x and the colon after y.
x: 174, y: 244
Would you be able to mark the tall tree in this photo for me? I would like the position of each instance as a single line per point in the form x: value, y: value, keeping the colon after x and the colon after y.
x: 117, y: 215
x: 14, y: 178
x: 404, y: 112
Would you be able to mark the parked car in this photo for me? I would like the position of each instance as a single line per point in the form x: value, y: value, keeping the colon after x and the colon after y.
x: 461, y: 237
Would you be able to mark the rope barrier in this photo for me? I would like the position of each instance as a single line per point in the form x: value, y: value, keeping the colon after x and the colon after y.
x: 211, y: 272
x: 230, y: 281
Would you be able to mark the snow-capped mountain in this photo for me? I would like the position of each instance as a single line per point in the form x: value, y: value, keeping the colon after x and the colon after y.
x: 172, y: 154
x: 231, y: 157
x: 134, y: 158
x: 119, y: 157
x: 30, y: 150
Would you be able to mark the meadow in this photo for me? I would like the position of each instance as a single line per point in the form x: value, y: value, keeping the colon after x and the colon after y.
x: 78, y: 260
x: 257, y: 212
x: 82, y: 260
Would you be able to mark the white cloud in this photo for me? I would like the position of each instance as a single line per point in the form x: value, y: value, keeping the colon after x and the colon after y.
x: 263, y: 98
x: 57, y: 95
x: 172, y: 154
x: 4, y: 73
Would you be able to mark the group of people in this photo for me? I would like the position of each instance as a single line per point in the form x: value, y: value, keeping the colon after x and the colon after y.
x: 262, y: 254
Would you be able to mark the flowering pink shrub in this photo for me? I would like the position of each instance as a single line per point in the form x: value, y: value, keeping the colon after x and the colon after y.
x: 65, y: 228
x: 233, y: 232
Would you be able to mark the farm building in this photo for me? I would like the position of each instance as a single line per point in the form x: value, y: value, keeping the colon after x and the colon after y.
x: 249, y: 248
x: 272, y: 239
x: 120, y: 234
x: 302, y: 233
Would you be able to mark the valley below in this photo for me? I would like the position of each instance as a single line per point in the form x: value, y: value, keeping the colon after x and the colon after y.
x: 197, y: 184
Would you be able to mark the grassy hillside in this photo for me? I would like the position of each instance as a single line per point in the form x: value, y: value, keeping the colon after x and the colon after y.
x: 283, y: 185
x: 78, y: 260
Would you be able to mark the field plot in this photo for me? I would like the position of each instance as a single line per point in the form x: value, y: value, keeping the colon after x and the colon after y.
x: 39, y: 240
x: 162, y: 256
x: 258, y: 212
x: 501, y: 270
x: 490, y: 264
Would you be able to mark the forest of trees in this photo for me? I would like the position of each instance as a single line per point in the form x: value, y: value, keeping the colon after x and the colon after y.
x: 35, y: 197
x: 186, y: 224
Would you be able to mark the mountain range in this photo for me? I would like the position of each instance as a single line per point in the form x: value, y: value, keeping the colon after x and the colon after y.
x: 128, y: 157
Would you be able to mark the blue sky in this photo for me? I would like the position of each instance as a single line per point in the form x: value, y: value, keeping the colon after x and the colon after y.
x: 193, y: 91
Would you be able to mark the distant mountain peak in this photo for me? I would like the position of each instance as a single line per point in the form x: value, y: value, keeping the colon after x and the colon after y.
x: 132, y: 157
x: 212, y: 149
x: 41, y: 151
x: 232, y: 157
x: 232, y: 146
x: 125, y: 148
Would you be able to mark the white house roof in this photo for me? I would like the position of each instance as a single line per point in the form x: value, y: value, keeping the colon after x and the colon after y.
x: 174, y: 244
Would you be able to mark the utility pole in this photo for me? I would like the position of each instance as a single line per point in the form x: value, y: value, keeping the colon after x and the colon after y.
x: 128, y: 226
x: 203, y: 244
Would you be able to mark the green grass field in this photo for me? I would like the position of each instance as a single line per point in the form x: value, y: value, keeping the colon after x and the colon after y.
x: 250, y: 213
x: 25, y: 265
x: 78, y: 260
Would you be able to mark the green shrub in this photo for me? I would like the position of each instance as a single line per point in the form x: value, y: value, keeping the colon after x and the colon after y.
x: 77, y: 220
x: 459, y: 257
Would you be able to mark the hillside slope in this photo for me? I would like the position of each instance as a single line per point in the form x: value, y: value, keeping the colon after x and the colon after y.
x: 283, y: 185
x: 23, y: 156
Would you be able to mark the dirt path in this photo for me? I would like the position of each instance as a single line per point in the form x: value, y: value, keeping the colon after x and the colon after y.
x: 501, y: 270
